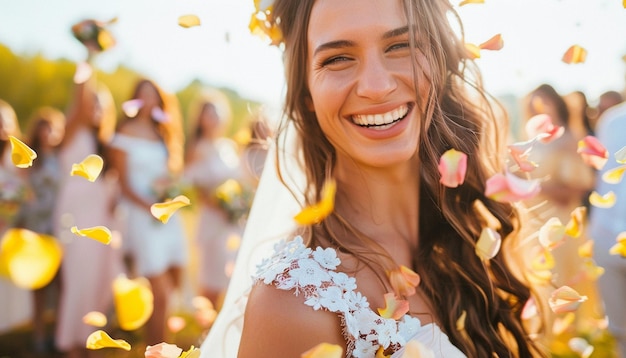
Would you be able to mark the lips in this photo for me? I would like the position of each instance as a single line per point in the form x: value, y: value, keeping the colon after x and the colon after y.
x: 381, y: 119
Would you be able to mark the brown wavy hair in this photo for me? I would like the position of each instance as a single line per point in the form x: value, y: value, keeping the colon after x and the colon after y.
x: 458, y: 114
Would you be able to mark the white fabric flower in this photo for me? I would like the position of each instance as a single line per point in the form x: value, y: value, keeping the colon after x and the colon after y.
x: 309, y: 272
x: 364, y: 349
x: 344, y: 281
x: 357, y: 300
x: 332, y: 298
x: 326, y: 257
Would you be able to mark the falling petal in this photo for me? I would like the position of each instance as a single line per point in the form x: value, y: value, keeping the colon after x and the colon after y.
x: 465, y: 2
x: 89, y: 168
x: 134, y: 302
x: 541, y: 125
x: 324, y: 350
x: 473, y: 51
x: 176, y: 324
x: 620, y: 156
x: 163, y: 211
x: 543, y: 259
x: 96, y: 319
x: 21, y: 154
x: 188, y: 21
x: 620, y: 247
x: 575, y: 225
x: 561, y: 324
x: 193, y: 352
x: 83, y: 72
x: 565, y: 299
x: 159, y: 115
x: 494, y: 44
x: 615, y: 175
x: 590, y: 271
x: 416, y: 349
x: 404, y: 281
x: 488, y: 245
x: 452, y: 168
x: 394, y: 308
x: 520, y: 152
x: 510, y: 188
x: 574, y: 54
x: 581, y: 346
x: 99, y: 339
x: 593, y: 152
x: 586, y: 250
x: 530, y: 309
x: 30, y: 260
x: 233, y: 242
x: 602, y: 201
x: 317, y: 212
x: 552, y: 233
x: 163, y: 350
x: 98, y: 233
x: 460, y: 322
x: 132, y: 107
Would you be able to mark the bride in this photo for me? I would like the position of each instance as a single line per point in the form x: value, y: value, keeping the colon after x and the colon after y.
x: 376, y: 92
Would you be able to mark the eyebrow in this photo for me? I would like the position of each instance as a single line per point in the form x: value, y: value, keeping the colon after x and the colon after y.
x: 347, y: 43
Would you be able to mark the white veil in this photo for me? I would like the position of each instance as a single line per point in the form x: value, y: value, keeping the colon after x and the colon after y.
x: 270, y: 220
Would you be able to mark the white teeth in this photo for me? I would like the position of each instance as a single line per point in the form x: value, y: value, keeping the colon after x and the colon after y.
x: 381, y: 119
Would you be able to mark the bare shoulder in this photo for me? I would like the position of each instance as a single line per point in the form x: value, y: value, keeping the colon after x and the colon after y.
x: 277, y: 323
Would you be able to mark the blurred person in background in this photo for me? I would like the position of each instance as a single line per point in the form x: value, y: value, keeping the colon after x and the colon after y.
x: 579, y: 122
x: 255, y: 152
x: 146, y: 153
x: 88, y: 267
x: 46, y: 131
x: 607, y: 100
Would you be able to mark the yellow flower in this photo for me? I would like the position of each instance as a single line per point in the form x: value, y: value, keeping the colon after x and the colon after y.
x: 163, y: 211
x: 134, y: 302
x: 324, y: 350
x: 21, y: 154
x: 317, y: 212
x: 99, y: 339
x: 98, y: 233
x: 89, y: 168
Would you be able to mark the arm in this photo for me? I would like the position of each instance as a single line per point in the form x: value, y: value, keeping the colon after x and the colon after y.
x: 277, y: 323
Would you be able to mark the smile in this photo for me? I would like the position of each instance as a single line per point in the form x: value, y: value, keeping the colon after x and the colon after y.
x: 382, y: 120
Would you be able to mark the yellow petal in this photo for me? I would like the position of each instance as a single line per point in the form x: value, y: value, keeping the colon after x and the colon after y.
x: 188, y: 21
x: 552, y: 233
x: 134, y: 302
x: 228, y: 190
x: 98, y: 233
x: 460, y: 322
x: 615, y: 175
x: 324, y: 350
x: 602, y: 201
x: 99, y: 339
x: 416, y: 349
x: 590, y: 271
x: 233, y: 242
x: 89, y: 168
x: 488, y: 245
x: 380, y: 353
x: 565, y: 299
x: 163, y: 211
x: 317, y: 212
x: 473, y: 51
x: 30, y: 260
x: 575, y: 54
x: 620, y: 247
x: 620, y: 155
x: 561, y: 324
x: 394, y: 308
x: 544, y: 260
x: 586, y: 250
x: 465, y: 2
x: 193, y: 352
x: 96, y: 319
x: 21, y: 154
x: 575, y: 225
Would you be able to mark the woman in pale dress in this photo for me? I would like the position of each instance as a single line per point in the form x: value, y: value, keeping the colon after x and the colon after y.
x: 376, y: 93
x: 146, y: 152
x: 88, y: 267
x: 213, y: 159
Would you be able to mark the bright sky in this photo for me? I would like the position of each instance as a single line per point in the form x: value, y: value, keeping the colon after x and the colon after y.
x: 221, y: 51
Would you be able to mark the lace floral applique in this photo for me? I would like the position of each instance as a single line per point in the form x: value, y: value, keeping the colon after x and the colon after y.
x: 296, y: 267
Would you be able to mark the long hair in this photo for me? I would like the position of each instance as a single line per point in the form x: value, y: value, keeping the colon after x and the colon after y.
x: 45, y: 116
x: 457, y: 114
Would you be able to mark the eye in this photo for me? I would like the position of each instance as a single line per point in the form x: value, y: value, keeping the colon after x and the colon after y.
x: 398, y: 46
x: 335, y: 60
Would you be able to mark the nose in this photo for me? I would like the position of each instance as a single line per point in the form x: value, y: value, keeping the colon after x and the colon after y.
x: 375, y: 79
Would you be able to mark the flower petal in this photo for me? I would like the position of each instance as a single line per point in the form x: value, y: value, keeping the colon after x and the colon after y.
x: 488, y: 245
x: 620, y: 247
x: 620, y: 156
x: 89, y: 168
x: 394, y: 308
x: 96, y: 319
x: 575, y: 226
x: 193, y: 352
x: 134, y: 302
x: 99, y: 339
x: 163, y: 211
x: 580, y: 346
x: 188, y: 21
x: 22, y: 155
x: 317, y: 212
x: 98, y: 233
x: 602, y: 201
x: 561, y: 324
x: 509, y: 188
x: 530, y: 309
x: 176, y: 324
x: 452, y: 168
x: 520, y: 152
x: 615, y: 175
x: 465, y: 2
x: 473, y: 51
x: 324, y: 350
x: 565, y: 299
x: 541, y: 125
x: 495, y: 43
x: 552, y: 233
x: 163, y: 350
x: 404, y: 281
x: 586, y: 250
x: 416, y: 349
x: 132, y: 107
x: 460, y: 322
x: 593, y: 152
x: 574, y: 54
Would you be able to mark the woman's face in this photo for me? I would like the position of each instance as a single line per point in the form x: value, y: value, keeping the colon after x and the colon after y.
x: 360, y: 77
x: 209, y: 120
x: 149, y: 95
x: 44, y: 132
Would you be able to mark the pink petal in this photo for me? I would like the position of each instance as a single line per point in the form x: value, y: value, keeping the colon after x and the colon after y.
x: 565, y: 299
x: 552, y: 234
x: 593, y: 152
x: 530, y: 309
x: 521, y: 150
x: 132, y: 107
x: 541, y: 124
x: 452, y: 167
x: 509, y: 188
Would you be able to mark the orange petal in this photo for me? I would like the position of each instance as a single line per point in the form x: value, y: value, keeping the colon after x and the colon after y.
x: 593, y: 152
x: 620, y: 156
x: 163, y: 211
x: 552, y: 233
x: 134, y: 302
x: 620, y: 247
x: 163, y: 350
x: 99, y: 339
x: 404, y: 281
x: 615, y: 175
x: 541, y: 125
x: 21, y: 154
x: 473, y: 51
x: 494, y: 44
x: 602, y: 201
x: 586, y: 250
x: 416, y: 349
x: 188, y: 21
x: 89, y: 168
x: 509, y: 188
x: 452, y: 168
x: 575, y: 225
x: 565, y: 299
x: 465, y: 2
x: 324, y: 350
x: 176, y: 324
x: 317, y: 212
x: 488, y: 245
x: 561, y: 324
x: 394, y: 308
x: 96, y: 319
x: 574, y: 54
x: 98, y: 233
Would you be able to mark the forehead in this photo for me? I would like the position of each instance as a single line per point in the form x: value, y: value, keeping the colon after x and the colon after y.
x: 333, y: 20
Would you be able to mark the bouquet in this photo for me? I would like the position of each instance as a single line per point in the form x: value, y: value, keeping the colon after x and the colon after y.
x: 94, y: 34
x: 13, y: 193
x: 167, y: 187
x: 235, y: 199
